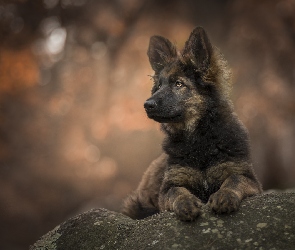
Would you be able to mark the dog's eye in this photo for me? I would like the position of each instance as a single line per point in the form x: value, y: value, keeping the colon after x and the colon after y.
x: 159, y: 86
x: 178, y: 84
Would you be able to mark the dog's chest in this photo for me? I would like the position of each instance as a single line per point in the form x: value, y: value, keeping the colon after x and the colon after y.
x: 204, y: 187
x: 199, y: 154
x: 195, y: 180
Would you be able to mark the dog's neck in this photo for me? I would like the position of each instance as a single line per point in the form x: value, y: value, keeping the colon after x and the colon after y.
x: 187, y: 133
x: 208, y: 120
x: 199, y: 146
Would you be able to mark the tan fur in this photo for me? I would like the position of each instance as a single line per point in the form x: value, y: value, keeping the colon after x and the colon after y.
x: 229, y: 175
x: 147, y: 192
x: 219, y: 73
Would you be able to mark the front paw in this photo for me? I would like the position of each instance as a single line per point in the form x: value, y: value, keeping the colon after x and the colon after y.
x: 224, y: 201
x: 187, y: 208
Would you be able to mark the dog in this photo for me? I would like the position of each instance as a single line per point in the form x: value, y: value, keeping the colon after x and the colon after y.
x: 206, y: 154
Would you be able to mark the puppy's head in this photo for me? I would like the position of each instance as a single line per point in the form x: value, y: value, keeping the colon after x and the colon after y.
x: 185, y: 82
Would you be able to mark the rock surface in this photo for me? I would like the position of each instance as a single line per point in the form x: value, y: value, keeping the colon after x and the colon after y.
x: 262, y: 222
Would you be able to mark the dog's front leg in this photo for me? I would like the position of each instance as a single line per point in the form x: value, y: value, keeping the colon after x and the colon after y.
x: 234, y: 189
x: 174, y: 196
x: 185, y: 205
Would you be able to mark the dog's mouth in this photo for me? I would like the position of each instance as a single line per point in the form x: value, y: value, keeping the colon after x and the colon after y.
x: 165, y: 119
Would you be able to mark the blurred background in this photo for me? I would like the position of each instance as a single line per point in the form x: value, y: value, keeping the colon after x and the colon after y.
x: 73, y: 80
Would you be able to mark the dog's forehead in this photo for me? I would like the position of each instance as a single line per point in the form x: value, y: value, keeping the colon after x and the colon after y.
x: 172, y: 69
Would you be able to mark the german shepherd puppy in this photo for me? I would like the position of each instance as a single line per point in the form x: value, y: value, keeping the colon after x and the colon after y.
x: 206, y: 155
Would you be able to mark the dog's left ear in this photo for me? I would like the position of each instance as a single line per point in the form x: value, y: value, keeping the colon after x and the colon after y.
x: 198, y: 49
x: 161, y: 51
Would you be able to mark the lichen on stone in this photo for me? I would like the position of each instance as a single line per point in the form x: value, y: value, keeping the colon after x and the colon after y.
x: 48, y: 241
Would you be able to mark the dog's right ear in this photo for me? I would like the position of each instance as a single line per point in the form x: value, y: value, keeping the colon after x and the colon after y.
x: 161, y: 51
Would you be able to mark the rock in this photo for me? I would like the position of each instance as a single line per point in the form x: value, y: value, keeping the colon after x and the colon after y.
x: 262, y: 222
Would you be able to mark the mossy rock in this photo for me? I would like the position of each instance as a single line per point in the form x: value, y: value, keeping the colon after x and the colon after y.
x: 262, y: 222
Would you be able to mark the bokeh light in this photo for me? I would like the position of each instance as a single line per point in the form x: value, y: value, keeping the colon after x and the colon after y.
x: 74, y: 75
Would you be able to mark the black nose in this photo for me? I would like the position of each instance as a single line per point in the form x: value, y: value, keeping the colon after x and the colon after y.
x: 150, y: 104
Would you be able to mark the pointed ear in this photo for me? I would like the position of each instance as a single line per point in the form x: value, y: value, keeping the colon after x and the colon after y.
x: 198, y: 49
x: 160, y: 52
